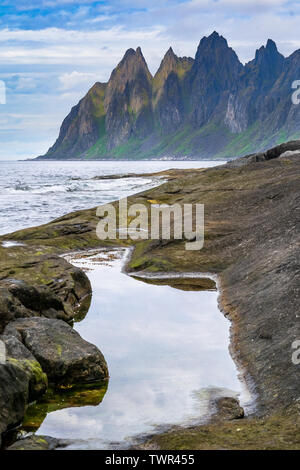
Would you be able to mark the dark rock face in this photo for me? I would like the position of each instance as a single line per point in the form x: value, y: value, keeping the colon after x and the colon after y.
x: 252, y: 99
x: 214, y: 74
x: 168, y: 92
x: 212, y: 106
x: 82, y: 127
x: 65, y: 357
x: 13, y: 396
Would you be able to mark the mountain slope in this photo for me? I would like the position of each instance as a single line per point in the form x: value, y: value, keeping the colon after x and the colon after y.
x: 208, y: 107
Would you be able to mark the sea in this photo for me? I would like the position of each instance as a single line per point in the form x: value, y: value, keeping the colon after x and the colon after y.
x: 36, y: 192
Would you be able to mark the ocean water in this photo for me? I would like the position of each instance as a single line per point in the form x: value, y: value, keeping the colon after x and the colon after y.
x: 33, y: 193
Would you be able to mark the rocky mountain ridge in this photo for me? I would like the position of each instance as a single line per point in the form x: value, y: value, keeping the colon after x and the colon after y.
x: 212, y: 106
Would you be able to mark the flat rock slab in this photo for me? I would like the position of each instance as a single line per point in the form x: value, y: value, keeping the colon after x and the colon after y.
x: 65, y: 357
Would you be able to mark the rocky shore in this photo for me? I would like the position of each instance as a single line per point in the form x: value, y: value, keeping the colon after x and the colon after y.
x: 251, y: 242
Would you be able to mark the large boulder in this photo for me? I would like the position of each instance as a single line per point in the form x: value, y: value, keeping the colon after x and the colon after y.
x: 18, y: 299
x: 65, y: 357
x: 19, y: 356
x: 21, y: 381
x: 32, y: 285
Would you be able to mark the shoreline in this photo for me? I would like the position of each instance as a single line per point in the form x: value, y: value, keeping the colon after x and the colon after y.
x: 238, y: 261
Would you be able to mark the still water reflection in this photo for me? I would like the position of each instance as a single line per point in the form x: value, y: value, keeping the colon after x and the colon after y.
x: 166, y: 348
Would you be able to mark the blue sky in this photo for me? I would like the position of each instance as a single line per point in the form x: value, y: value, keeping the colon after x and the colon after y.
x: 52, y: 51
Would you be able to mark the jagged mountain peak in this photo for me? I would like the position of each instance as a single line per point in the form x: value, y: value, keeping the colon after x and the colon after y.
x: 271, y: 45
x: 130, y: 52
x: 171, y: 63
x: 215, y: 40
x: 188, y: 108
x: 214, y: 52
x: 133, y: 64
x: 268, y: 52
x: 132, y: 56
x: 170, y: 53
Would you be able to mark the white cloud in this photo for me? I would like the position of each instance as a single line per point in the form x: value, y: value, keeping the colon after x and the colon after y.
x: 25, y: 84
x: 75, y: 79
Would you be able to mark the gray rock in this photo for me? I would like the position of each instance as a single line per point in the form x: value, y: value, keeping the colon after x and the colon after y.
x: 65, y: 357
x: 33, y: 285
x: 19, y: 356
x: 228, y: 408
x: 13, y: 396
x: 37, y: 443
x: 290, y: 154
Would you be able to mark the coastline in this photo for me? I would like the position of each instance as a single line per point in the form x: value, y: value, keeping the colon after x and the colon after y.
x: 225, y: 191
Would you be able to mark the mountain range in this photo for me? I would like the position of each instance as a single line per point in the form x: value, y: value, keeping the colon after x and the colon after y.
x: 211, y: 106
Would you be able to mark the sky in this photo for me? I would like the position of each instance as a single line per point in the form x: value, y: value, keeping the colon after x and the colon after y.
x: 53, y: 51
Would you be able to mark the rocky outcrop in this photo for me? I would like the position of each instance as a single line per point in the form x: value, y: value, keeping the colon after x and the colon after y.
x: 43, y: 287
x: 287, y: 150
x: 65, y: 357
x: 208, y: 107
x: 227, y: 409
x: 50, y: 295
x: 38, y: 351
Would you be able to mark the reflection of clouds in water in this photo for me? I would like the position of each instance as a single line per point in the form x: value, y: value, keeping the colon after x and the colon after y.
x: 71, y: 424
x: 162, y: 345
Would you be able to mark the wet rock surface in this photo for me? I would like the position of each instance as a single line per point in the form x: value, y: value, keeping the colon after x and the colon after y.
x: 65, y: 357
x: 38, y: 443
